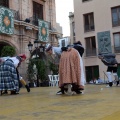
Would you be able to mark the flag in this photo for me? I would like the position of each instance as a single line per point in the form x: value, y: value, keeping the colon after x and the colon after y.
x: 6, y: 21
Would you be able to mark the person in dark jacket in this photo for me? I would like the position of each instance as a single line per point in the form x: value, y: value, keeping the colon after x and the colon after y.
x: 78, y: 46
x: 110, y: 61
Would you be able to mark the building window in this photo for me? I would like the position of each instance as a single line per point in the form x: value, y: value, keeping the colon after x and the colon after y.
x: 89, y: 22
x: 116, y: 42
x: 90, y: 46
x: 4, y: 3
x: 37, y: 12
x: 116, y: 16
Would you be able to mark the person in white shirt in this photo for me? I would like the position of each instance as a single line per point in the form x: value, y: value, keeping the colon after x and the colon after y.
x: 17, y: 61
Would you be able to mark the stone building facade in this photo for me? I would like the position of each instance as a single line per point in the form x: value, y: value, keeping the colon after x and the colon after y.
x: 26, y: 15
x: 97, y: 26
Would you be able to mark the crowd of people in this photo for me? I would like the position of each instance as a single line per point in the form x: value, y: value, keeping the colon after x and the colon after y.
x: 71, y: 71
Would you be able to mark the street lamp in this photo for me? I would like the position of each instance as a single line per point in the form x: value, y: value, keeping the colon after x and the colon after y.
x: 36, y: 45
x: 42, y: 48
x: 30, y: 45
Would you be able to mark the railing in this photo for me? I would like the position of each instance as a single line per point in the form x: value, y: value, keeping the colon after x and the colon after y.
x: 90, y: 52
x: 117, y: 49
x: 116, y: 23
x: 16, y: 14
x: 35, y: 22
x: 89, y: 28
x: 94, y: 52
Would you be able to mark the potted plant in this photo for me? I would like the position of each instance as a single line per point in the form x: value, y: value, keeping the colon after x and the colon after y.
x: 41, y: 69
x: 30, y: 73
x: 53, y: 67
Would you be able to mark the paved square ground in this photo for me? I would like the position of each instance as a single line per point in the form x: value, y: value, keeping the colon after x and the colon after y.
x: 42, y: 103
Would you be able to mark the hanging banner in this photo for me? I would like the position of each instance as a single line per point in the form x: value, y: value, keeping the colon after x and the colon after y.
x: 43, y: 34
x: 104, y: 42
x: 6, y: 21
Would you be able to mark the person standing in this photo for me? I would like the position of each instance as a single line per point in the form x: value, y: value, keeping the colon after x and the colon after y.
x: 54, y: 52
x: 70, y: 71
x: 78, y: 46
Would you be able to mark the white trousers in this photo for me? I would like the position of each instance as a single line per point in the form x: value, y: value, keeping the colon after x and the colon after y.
x: 109, y: 75
x: 83, y: 81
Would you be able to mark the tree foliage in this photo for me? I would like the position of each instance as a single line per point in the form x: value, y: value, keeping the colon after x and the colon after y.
x: 41, y: 69
x: 8, y: 51
x: 53, y: 67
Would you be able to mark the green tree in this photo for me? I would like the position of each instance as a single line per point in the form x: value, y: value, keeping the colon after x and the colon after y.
x: 41, y: 69
x: 30, y: 71
x: 53, y: 67
x: 8, y: 51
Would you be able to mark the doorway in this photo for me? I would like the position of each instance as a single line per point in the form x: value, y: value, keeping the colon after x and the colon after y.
x: 92, y: 72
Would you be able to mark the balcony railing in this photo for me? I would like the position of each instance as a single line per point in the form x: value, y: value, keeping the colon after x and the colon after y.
x: 94, y: 52
x: 35, y: 22
x: 16, y: 15
x: 90, y: 52
x: 89, y: 28
x: 116, y: 23
x: 116, y: 49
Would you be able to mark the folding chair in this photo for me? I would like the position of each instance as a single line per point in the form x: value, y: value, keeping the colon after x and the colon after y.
x: 56, y: 79
x: 51, y: 82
